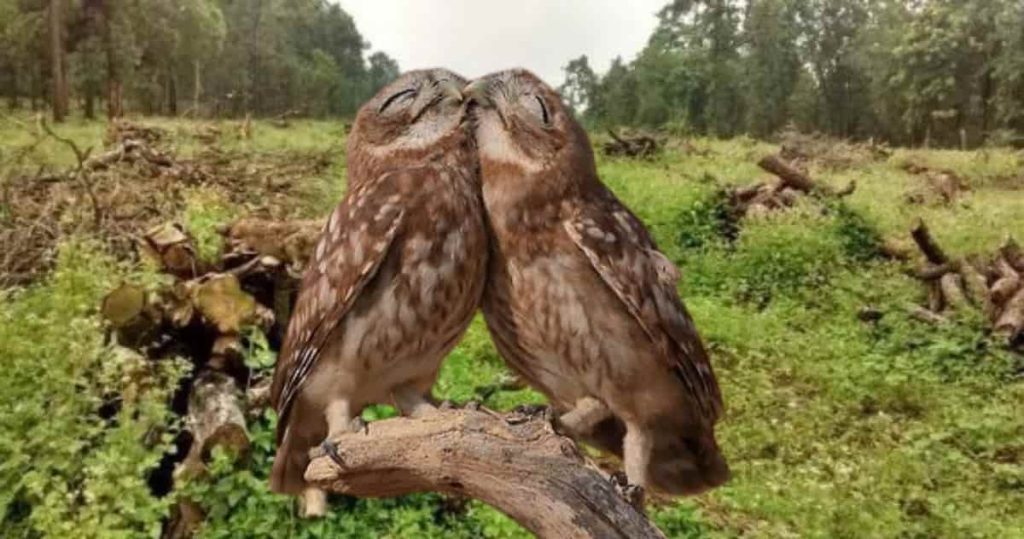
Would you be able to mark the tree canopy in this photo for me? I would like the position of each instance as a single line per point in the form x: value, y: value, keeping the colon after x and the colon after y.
x: 944, y: 72
x: 209, y: 57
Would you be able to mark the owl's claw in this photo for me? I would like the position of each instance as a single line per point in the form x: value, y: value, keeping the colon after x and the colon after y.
x: 331, y: 450
x: 446, y: 405
x: 633, y: 494
x: 526, y: 412
x: 358, y: 424
x: 472, y: 405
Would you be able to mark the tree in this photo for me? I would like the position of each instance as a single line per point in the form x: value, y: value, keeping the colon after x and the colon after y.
x: 580, y: 84
x: 58, y: 60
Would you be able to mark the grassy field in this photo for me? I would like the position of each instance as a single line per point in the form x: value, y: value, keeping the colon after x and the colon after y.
x: 835, y: 427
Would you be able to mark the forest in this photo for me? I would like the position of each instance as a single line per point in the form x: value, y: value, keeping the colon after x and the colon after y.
x: 840, y: 183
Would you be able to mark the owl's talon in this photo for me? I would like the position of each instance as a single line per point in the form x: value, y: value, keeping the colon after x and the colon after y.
x: 358, y: 424
x: 472, y: 405
x: 331, y: 450
x: 446, y: 405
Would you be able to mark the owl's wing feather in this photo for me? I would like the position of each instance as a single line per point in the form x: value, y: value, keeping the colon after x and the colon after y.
x: 625, y: 256
x: 352, y: 246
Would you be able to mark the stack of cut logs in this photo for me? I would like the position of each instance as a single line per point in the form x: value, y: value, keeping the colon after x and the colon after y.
x: 205, y: 315
x: 792, y: 183
x: 992, y: 284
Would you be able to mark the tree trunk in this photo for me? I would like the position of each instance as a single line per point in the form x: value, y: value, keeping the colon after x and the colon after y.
x: 12, y: 96
x: 58, y: 76
x: 90, y: 102
x: 115, y: 90
x: 197, y: 89
x: 172, y: 94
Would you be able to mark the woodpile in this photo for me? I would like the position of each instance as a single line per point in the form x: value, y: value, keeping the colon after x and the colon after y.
x: 208, y: 313
x: 785, y: 191
x: 941, y: 186
x: 993, y: 285
x: 639, y: 146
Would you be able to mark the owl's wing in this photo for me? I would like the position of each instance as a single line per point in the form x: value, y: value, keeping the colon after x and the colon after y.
x: 353, y: 244
x: 625, y: 256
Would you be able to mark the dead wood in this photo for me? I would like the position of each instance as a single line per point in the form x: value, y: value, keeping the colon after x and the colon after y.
x: 1011, y: 321
x: 923, y: 237
x: 638, y: 146
x: 520, y: 466
x: 1013, y: 254
x: 790, y: 176
x: 215, y: 419
x: 952, y: 289
x: 927, y: 316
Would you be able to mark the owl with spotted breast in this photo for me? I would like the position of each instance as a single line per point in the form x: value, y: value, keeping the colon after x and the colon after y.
x: 394, y: 280
x: 579, y: 300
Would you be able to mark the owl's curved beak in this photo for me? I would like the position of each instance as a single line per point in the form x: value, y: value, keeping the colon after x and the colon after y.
x: 451, y: 90
x: 479, y: 91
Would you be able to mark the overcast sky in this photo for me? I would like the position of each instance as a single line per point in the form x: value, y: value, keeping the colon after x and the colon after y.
x: 475, y: 37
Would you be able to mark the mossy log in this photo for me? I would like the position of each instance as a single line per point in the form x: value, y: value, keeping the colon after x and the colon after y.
x: 521, y: 466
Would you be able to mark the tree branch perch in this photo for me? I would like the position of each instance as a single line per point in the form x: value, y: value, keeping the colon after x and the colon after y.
x: 515, y: 463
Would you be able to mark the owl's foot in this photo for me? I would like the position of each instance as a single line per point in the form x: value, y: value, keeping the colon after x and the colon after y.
x: 358, y: 424
x: 331, y: 450
x: 446, y: 405
x: 472, y: 405
x: 527, y: 412
x: 633, y: 494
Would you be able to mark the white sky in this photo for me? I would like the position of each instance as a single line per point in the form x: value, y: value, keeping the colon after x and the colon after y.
x: 475, y: 37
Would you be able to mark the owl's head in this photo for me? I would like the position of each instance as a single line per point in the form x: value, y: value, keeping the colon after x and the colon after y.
x: 523, y: 123
x: 411, y: 116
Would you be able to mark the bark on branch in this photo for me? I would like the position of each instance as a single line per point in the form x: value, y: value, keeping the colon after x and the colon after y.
x: 517, y: 464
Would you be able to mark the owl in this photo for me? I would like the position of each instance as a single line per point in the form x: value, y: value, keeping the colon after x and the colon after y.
x: 579, y: 300
x: 394, y: 280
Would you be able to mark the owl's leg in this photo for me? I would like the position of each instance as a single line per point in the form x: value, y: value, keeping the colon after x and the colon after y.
x: 339, y: 420
x: 587, y: 413
x: 411, y: 402
x: 636, y: 453
x: 314, y: 503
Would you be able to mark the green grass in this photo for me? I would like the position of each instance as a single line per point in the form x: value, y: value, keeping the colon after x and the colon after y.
x: 834, y: 427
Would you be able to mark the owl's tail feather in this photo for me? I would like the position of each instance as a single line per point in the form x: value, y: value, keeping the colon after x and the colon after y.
x: 290, y: 462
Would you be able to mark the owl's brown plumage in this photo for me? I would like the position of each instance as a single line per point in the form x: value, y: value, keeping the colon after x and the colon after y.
x: 579, y: 300
x: 395, y: 278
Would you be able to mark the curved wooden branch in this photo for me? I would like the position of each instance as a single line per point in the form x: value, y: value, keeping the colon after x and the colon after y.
x: 515, y: 463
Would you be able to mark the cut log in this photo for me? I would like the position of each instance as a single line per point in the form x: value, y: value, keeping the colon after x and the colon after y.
x: 257, y: 397
x: 1004, y: 289
x: 171, y: 248
x: 789, y: 175
x: 1011, y: 321
x: 291, y: 242
x: 1013, y: 254
x: 927, y: 316
x: 923, y: 237
x: 524, y: 469
x: 224, y: 305
x: 976, y: 287
x: 953, y: 291
x: 933, y: 272
x: 215, y: 418
x: 127, y: 310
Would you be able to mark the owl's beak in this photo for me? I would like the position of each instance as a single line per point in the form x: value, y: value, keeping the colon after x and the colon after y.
x: 479, y: 92
x: 450, y: 90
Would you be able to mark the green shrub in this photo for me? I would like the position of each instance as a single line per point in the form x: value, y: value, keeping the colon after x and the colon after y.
x: 81, y: 423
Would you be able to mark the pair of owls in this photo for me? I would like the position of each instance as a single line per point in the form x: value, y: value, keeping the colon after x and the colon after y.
x: 487, y: 194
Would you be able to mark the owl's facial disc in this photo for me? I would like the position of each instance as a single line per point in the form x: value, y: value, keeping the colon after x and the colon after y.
x: 520, y: 119
x: 414, y: 111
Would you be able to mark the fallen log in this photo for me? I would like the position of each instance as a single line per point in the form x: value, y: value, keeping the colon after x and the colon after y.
x: 788, y: 174
x: 1013, y: 254
x: 923, y: 237
x: 521, y: 467
x: 215, y: 419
